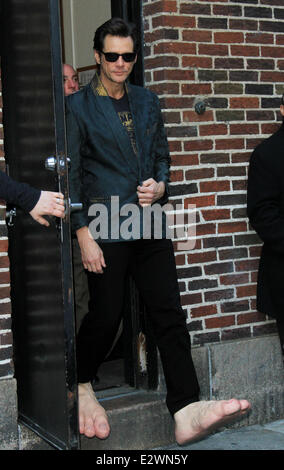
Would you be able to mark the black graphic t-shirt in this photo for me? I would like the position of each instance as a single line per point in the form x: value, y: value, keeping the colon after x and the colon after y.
x: 123, y: 110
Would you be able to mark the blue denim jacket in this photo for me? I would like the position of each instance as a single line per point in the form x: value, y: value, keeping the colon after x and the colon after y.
x: 103, y: 162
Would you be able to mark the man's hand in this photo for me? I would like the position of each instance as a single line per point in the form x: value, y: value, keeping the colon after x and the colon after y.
x: 150, y: 191
x: 92, y: 255
x: 49, y: 203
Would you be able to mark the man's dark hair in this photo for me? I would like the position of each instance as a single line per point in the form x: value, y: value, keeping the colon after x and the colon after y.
x: 115, y: 27
x: 282, y: 99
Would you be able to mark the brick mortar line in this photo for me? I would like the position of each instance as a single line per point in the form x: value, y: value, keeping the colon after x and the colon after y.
x: 208, y: 263
x: 239, y: 121
x: 195, y: 167
x: 206, y: 82
x: 212, y: 277
x: 222, y: 151
x: 206, y: 180
x: 5, y: 361
x: 219, y: 304
x: 209, y: 250
x: 227, y: 206
x: 5, y: 377
x: 214, y: 56
x: 220, y: 15
x: 5, y: 346
x: 215, y: 178
x: 254, y: 323
x: 218, y: 56
x: 213, y: 138
x: 214, y: 30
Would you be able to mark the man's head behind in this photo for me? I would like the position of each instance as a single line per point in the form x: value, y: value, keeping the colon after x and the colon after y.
x: 115, y: 27
x: 71, y: 81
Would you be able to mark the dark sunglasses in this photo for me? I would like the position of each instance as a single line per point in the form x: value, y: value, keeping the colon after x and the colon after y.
x: 113, y: 56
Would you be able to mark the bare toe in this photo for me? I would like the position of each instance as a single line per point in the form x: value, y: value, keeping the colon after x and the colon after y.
x: 198, y: 419
x: 102, y: 427
x: 92, y: 416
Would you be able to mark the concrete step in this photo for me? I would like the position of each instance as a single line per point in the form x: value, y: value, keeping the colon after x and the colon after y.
x: 246, y: 368
x: 139, y: 420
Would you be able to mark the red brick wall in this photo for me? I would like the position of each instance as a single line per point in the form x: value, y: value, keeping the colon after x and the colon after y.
x: 230, y: 54
x: 6, y: 368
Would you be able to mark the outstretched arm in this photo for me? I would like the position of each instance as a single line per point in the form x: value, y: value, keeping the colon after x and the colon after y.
x: 31, y: 200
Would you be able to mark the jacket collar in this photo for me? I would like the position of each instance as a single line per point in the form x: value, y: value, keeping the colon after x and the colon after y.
x: 98, y: 87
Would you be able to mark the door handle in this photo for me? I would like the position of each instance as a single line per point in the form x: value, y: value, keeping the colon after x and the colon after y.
x: 52, y: 164
x: 72, y: 207
x: 69, y: 208
x: 75, y: 206
x: 10, y: 216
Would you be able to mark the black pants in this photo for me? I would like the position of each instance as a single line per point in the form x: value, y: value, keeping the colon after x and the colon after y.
x: 152, y: 265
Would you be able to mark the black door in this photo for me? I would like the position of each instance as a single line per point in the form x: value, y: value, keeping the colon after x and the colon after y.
x: 41, y: 263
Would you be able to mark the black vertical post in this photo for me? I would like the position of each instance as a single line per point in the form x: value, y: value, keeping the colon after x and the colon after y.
x: 131, y: 10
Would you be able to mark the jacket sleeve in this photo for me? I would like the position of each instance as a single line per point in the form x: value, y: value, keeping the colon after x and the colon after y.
x: 263, y: 200
x: 20, y: 194
x: 79, y: 219
x: 161, y: 154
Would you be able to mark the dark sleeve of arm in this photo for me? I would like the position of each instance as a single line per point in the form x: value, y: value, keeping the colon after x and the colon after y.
x: 20, y: 194
x: 162, y: 155
x: 263, y: 201
x: 79, y: 219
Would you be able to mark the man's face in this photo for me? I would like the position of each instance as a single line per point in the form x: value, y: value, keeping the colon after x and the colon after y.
x: 115, y: 72
x: 71, y: 82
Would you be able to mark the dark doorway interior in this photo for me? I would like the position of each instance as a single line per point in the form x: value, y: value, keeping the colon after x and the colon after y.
x: 125, y: 365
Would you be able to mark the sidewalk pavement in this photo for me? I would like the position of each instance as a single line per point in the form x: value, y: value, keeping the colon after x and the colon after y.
x: 268, y: 436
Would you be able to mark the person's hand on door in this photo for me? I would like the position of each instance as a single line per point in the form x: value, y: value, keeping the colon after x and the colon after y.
x: 49, y: 203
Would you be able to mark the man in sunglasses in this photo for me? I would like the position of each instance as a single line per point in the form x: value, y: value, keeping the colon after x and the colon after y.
x: 118, y: 148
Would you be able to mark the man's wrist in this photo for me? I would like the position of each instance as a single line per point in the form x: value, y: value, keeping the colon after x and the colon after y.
x: 161, y: 188
x: 82, y: 232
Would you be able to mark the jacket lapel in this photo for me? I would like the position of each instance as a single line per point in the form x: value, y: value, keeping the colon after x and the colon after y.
x: 135, y: 108
x: 115, y: 124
